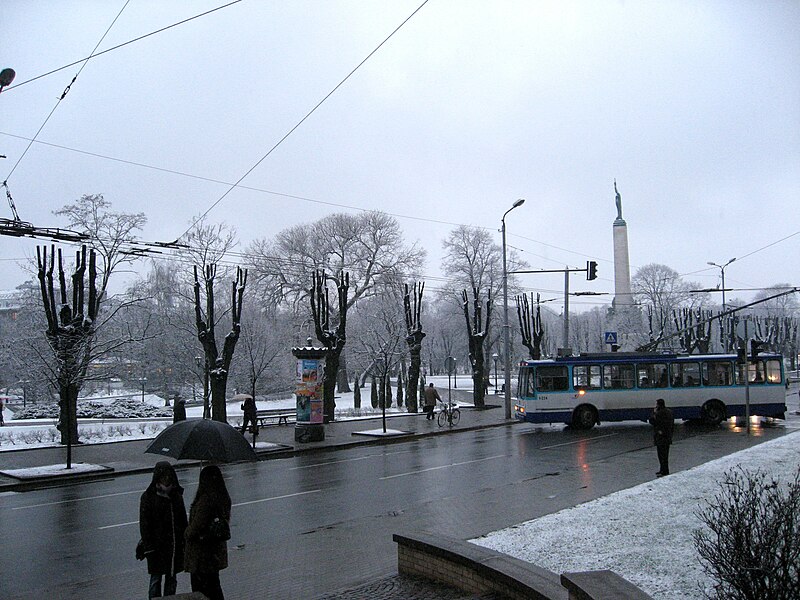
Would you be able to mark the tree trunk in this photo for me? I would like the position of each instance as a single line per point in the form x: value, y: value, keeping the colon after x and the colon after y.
x: 68, y: 414
x: 413, y: 379
x: 219, y: 408
x: 329, y: 386
x: 342, y: 381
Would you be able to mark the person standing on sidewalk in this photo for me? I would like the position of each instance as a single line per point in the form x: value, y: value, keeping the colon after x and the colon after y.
x: 162, y: 521
x: 206, y: 552
x: 178, y: 409
x: 250, y: 414
x: 663, y: 425
x: 431, y: 396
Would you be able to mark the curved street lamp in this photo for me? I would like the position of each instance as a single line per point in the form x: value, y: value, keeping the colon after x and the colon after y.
x: 506, y: 342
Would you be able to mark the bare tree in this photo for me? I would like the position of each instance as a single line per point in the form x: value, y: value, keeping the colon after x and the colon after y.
x: 476, y: 331
x: 369, y: 247
x: 109, y: 233
x: 220, y: 364
x: 414, y: 337
x: 664, y: 291
x: 262, y: 348
x: 530, y: 326
x: 70, y: 329
x: 332, y: 338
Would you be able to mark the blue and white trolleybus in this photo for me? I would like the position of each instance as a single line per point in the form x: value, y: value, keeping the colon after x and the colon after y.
x: 617, y: 386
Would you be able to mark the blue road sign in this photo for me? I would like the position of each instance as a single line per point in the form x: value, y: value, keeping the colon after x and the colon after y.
x: 610, y: 337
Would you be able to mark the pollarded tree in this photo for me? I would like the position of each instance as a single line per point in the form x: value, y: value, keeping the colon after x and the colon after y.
x: 530, y: 325
x: 476, y: 331
x: 70, y: 329
x: 333, y: 338
x: 474, y: 261
x: 368, y: 246
x: 220, y: 363
x: 414, y: 337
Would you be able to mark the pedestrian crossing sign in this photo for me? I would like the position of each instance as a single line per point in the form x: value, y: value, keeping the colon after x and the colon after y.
x: 610, y: 337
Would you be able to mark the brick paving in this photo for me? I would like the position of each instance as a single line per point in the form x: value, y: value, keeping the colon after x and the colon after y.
x: 399, y: 587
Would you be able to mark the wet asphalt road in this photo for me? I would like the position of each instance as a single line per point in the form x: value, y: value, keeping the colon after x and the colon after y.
x: 312, y: 524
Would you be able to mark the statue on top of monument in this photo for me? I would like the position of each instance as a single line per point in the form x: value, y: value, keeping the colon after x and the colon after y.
x: 618, y: 200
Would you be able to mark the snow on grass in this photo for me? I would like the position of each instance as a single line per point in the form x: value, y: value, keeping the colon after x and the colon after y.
x: 643, y: 533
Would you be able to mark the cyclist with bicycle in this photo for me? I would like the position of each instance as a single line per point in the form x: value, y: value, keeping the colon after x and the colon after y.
x: 431, y: 396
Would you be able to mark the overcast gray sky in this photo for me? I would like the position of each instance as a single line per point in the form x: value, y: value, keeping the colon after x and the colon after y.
x: 694, y: 108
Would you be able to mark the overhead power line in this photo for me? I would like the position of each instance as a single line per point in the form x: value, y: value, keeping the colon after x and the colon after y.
x: 301, y: 121
x: 63, y: 95
x: 118, y: 46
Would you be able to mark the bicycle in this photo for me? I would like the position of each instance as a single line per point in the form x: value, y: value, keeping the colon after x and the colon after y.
x: 449, y: 413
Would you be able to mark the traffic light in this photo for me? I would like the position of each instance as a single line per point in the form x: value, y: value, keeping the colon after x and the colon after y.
x: 755, y: 348
x: 591, y: 270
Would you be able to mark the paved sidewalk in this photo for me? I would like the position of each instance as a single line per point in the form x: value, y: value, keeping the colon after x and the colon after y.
x: 126, y: 457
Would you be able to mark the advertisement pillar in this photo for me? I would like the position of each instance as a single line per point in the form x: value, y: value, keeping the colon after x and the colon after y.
x: 309, y: 370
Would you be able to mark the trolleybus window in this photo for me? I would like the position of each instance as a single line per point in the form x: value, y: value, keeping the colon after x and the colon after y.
x: 755, y: 372
x: 717, y: 372
x: 586, y: 377
x: 685, y: 374
x: 652, y: 375
x: 774, y: 371
x: 618, y: 376
x: 551, y: 379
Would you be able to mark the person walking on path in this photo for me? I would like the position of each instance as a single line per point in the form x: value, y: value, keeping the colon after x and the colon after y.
x: 162, y: 522
x: 249, y: 408
x: 663, y: 425
x: 431, y: 396
x: 206, y: 550
x: 178, y: 409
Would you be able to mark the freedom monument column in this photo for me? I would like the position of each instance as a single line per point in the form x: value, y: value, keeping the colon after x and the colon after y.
x: 622, y: 268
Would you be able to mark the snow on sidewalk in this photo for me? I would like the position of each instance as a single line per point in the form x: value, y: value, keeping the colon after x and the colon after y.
x: 643, y: 533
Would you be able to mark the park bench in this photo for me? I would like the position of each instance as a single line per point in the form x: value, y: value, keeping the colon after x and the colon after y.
x: 281, y: 415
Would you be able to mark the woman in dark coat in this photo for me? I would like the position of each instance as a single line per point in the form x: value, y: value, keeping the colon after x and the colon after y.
x: 162, y: 521
x: 206, y: 555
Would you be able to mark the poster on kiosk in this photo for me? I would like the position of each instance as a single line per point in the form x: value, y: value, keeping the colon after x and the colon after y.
x: 308, y: 390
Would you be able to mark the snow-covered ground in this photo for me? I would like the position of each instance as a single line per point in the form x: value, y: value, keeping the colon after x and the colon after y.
x: 643, y: 533
x: 42, y: 433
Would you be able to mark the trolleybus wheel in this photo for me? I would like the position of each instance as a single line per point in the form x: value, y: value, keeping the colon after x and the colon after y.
x: 713, y: 412
x: 584, y: 417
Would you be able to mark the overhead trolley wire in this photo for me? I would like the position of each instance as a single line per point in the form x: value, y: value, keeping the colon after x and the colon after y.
x: 64, y: 94
x: 308, y: 114
x: 118, y: 46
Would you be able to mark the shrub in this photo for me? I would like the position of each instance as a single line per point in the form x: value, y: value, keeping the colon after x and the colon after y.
x: 750, y: 545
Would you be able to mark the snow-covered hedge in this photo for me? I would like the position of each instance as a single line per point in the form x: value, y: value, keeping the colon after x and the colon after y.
x: 123, y: 408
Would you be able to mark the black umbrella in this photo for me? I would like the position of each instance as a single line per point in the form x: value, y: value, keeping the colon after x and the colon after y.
x: 202, y: 439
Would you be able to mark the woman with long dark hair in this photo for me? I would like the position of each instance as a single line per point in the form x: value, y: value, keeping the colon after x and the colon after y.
x: 162, y: 521
x: 207, y: 533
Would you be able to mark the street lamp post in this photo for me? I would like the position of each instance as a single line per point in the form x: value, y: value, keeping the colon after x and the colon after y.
x: 380, y: 362
x: 455, y: 373
x: 506, y: 336
x: 495, y: 357
x: 142, y: 380
x: 724, y: 305
x: 202, y: 362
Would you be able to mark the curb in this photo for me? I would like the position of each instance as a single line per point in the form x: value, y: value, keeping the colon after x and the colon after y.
x: 36, y: 483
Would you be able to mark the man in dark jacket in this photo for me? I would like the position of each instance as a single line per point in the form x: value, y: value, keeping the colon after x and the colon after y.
x: 431, y: 396
x: 249, y: 410
x: 162, y: 522
x: 663, y: 424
